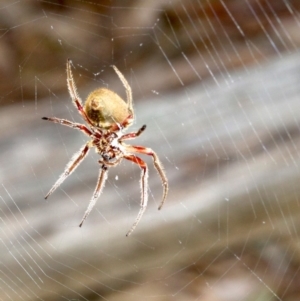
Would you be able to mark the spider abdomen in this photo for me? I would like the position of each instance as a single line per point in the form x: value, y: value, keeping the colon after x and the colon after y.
x: 105, y: 108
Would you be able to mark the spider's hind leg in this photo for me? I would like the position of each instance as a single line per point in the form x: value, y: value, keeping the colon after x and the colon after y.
x: 127, y: 89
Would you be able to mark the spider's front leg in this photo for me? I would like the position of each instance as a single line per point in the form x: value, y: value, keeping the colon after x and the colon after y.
x: 99, y: 187
x: 71, y: 166
x: 157, y: 164
x: 144, y: 187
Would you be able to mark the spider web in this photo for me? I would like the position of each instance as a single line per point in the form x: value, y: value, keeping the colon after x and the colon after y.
x: 217, y: 84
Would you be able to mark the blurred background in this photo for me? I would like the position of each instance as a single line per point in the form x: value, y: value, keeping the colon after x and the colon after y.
x: 217, y: 84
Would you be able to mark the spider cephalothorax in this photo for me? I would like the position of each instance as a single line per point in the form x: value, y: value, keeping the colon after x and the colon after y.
x: 106, y: 115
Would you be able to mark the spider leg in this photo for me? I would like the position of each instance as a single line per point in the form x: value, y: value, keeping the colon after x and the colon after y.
x: 144, y: 187
x: 100, y: 184
x: 157, y: 164
x: 133, y: 135
x: 73, y: 93
x: 70, y: 124
x: 72, y: 86
x: 71, y: 166
x: 127, y: 88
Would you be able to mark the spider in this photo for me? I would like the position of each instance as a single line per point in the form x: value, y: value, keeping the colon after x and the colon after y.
x: 107, y: 115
